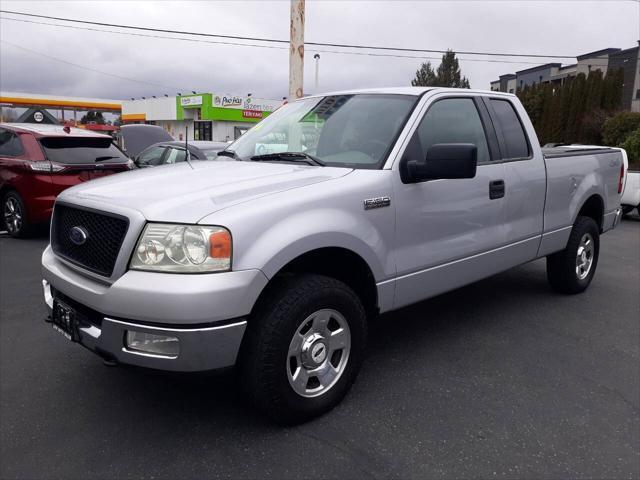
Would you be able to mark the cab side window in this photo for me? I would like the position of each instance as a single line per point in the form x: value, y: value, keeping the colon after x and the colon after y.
x: 10, y: 145
x: 515, y: 140
x: 453, y: 120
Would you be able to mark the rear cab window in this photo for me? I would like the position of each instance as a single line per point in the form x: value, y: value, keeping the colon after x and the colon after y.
x: 10, y: 144
x: 515, y: 144
x: 82, y: 150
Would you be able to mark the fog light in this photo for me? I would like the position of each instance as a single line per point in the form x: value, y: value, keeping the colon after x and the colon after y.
x: 152, y: 343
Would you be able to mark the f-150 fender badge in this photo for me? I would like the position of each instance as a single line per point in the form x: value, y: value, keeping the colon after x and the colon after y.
x: 377, y: 202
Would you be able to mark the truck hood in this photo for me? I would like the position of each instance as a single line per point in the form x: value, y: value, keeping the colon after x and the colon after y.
x: 179, y: 193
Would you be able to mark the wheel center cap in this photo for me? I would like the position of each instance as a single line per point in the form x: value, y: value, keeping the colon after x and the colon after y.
x: 314, y: 351
x: 319, y: 352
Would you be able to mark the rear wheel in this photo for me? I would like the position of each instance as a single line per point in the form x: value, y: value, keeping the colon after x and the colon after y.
x: 303, y: 348
x: 572, y: 269
x: 14, y: 215
x: 627, y: 209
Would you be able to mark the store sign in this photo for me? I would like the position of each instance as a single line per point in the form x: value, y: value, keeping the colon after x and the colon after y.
x: 38, y: 117
x: 252, y: 113
x: 227, y: 101
x: 191, y: 101
x: 245, y: 103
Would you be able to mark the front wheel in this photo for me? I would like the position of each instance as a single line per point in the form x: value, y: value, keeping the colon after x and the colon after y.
x: 14, y: 215
x: 303, y: 347
x: 572, y: 269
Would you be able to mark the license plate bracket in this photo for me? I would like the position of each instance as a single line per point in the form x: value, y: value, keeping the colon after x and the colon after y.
x: 64, y: 320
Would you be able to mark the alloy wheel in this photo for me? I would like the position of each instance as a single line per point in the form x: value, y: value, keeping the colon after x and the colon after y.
x: 318, y: 353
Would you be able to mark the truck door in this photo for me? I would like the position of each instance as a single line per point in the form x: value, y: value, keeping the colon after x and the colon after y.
x: 449, y: 232
x: 524, y: 178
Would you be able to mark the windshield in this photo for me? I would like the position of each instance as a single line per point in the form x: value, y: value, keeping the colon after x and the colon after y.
x: 82, y: 150
x: 357, y: 131
x: 211, y: 153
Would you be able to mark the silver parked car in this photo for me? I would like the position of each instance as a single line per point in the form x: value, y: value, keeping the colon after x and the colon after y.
x: 165, y: 153
x: 343, y: 206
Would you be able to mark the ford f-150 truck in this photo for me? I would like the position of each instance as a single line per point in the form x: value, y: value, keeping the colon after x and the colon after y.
x: 333, y: 209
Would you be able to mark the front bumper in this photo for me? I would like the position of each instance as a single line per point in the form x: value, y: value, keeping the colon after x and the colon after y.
x: 205, y: 312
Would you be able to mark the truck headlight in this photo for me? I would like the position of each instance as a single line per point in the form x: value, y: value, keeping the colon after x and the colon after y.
x: 175, y: 248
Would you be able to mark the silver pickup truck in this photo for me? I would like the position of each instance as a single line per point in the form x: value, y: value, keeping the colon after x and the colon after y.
x: 332, y: 210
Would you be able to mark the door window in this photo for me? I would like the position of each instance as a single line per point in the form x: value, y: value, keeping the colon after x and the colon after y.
x: 453, y: 120
x: 151, y: 156
x: 175, y: 155
x: 515, y: 140
x: 10, y: 145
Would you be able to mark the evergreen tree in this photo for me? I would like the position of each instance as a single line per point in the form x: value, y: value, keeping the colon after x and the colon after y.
x: 425, y: 76
x: 92, y: 116
x: 448, y: 74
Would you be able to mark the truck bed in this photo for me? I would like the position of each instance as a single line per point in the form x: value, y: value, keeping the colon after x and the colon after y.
x: 574, y: 175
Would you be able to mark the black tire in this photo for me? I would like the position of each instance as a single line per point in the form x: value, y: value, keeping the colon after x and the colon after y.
x: 562, y: 269
x: 264, y: 360
x: 12, y: 203
x: 627, y: 209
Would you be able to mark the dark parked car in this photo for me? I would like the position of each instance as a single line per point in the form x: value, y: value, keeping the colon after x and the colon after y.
x: 37, y: 162
x: 134, y: 138
x: 173, y: 152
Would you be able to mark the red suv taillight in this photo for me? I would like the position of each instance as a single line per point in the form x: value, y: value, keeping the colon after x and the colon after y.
x: 621, y: 179
x: 49, y: 167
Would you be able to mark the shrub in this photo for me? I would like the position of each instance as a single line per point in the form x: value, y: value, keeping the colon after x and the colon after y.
x: 617, y: 128
x: 632, y: 146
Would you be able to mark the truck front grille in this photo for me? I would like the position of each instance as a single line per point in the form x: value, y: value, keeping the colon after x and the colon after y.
x: 88, y: 238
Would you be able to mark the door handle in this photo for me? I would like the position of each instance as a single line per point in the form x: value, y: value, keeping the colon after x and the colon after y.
x: 496, y: 189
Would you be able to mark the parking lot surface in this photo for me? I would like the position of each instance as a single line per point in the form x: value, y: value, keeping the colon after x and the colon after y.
x: 502, y: 378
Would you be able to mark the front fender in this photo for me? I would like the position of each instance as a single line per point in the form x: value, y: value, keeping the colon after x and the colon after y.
x: 303, y: 232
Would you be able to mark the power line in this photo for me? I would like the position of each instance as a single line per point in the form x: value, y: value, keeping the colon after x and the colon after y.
x: 339, y: 52
x: 219, y: 42
x: 89, y: 68
x: 273, y: 40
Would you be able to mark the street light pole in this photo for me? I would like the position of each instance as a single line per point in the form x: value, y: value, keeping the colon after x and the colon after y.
x: 296, y: 50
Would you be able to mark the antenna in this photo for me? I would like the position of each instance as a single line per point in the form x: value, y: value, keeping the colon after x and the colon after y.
x: 187, y: 156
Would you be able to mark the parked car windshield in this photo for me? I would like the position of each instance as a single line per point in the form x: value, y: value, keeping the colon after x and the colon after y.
x: 357, y: 131
x: 82, y: 150
x: 211, y: 153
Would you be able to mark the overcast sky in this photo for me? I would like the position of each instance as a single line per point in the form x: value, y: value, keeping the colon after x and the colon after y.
x: 544, y: 27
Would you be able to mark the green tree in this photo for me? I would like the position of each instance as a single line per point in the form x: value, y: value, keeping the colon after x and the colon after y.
x: 448, y: 74
x: 617, y: 128
x: 92, y: 116
x: 632, y: 146
x: 612, y: 90
x: 425, y: 76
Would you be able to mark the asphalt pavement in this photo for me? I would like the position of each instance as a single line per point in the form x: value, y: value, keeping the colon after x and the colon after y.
x: 501, y: 379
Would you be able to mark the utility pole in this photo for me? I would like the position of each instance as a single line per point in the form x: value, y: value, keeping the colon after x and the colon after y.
x: 317, y: 59
x: 296, y: 50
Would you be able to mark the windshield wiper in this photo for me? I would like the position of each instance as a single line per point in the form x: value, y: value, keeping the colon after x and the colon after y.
x: 106, y: 157
x: 228, y: 153
x: 290, y: 157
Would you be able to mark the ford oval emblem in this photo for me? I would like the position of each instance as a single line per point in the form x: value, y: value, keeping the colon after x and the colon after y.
x: 78, y: 235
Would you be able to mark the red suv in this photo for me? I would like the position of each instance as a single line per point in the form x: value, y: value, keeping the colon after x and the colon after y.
x: 37, y: 162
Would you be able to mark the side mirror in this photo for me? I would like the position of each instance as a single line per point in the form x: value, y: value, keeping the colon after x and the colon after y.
x: 445, y: 160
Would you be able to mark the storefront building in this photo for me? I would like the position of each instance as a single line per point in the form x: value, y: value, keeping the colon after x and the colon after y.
x: 202, y: 116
